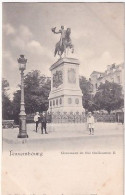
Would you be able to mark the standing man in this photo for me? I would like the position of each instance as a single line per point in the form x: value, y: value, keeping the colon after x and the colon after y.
x: 43, y: 123
x: 90, y: 123
x: 36, y: 120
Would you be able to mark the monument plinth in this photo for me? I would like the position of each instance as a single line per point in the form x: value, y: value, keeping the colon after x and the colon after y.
x: 65, y: 95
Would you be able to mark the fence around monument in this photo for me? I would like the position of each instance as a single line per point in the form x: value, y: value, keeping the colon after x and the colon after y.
x: 68, y: 117
x: 78, y: 118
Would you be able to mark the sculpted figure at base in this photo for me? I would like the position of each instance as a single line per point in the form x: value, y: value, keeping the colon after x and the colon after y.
x: 64, y: 42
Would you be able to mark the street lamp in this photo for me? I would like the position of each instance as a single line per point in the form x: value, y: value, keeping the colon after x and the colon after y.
x: 22, y: 116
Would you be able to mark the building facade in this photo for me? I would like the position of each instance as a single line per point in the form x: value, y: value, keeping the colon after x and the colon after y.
x: 114, y: 73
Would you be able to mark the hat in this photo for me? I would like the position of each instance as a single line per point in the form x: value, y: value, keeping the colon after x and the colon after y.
x: 89, y: 113
x: 37, y: 112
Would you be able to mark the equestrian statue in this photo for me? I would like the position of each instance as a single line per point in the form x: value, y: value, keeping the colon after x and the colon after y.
x: 64, y: 43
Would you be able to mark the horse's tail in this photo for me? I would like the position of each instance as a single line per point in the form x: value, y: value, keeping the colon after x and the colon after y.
x: 56, y: 49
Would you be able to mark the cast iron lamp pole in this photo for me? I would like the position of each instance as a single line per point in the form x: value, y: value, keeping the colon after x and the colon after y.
x: 22, y: 116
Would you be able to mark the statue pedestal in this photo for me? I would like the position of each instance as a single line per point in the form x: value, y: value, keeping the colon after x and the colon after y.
x: 65, y: 95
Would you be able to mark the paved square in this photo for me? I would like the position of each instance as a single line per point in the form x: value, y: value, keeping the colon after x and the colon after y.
x: 66, y: 136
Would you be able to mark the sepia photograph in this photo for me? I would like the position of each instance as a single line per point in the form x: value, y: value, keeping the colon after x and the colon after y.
x: 62, y: 98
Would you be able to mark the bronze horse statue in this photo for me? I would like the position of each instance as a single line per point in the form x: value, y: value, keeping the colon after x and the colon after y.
x: 66, y: 43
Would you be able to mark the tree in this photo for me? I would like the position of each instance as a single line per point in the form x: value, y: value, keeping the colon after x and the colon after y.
x: 7, y: 112
x: 16, y: 105
x: 85, y: 86
x: 109, y: 97
x: 37, y: 88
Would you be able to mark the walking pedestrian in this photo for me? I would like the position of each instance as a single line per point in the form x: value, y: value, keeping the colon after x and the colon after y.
x: 36, y: 120
x: 90, y: 123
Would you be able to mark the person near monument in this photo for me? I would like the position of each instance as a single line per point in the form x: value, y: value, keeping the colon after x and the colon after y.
x: 43, y: 122
x: 90, y: 123
x: 36, y: 120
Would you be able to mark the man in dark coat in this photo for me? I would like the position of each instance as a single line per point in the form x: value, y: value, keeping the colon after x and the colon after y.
x: 43, y: 122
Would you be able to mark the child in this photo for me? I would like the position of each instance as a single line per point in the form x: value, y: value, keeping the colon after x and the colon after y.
x: 36, y: 120
x: 90, y: 122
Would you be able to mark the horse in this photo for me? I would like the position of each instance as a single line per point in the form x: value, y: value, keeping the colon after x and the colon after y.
x: 66, y: 43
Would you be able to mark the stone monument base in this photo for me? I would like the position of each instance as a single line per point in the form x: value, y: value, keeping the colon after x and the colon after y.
x: 65, y: 95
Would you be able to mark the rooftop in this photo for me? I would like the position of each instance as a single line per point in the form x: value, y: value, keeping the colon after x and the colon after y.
x: 96, y: 72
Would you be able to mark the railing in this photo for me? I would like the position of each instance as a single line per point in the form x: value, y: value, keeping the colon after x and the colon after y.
x: 68, y: 117
x: 78, y: 118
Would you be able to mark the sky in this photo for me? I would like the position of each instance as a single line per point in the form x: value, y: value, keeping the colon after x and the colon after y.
x: 97, y: 33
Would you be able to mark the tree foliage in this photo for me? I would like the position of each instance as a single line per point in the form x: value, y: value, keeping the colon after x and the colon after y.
x: 109, y: 97
x: 6, y: 102
x: 37, y: 88
x: 85, y: 86
x: 16, y: 105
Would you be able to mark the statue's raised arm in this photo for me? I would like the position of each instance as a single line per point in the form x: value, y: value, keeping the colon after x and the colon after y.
x: 54, y: 31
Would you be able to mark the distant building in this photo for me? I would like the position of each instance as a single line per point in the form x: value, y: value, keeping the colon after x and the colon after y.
x: 114, y: 73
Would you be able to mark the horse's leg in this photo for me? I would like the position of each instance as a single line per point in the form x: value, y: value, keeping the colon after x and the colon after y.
x: 59, y: 49
x: 72, y: 46
x: 59, y: 53
x: 67, y: 51
x: 55, y: 51
x: 64, y: 50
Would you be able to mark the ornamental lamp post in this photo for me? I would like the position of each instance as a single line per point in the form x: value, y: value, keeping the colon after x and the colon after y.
x: 22, y: 116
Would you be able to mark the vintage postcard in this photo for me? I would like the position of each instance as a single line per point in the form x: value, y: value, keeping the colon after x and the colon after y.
x: 62, y: 98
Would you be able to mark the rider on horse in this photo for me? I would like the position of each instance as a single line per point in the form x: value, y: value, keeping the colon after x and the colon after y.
x: 63, y: 34
x: 65, y: 41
